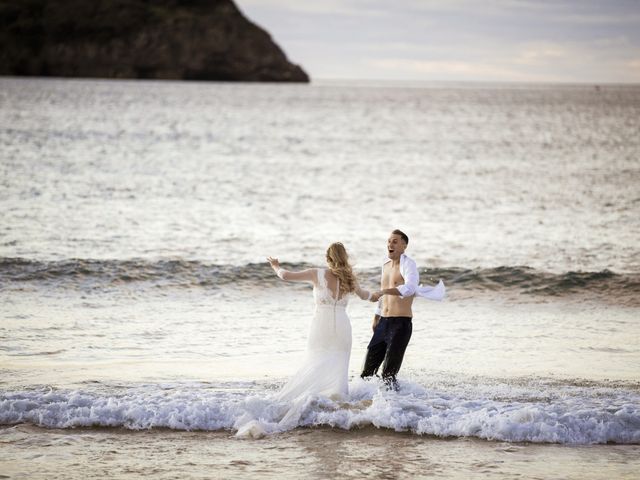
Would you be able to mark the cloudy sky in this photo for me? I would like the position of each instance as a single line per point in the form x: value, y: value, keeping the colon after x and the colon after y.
x: 593, y: 41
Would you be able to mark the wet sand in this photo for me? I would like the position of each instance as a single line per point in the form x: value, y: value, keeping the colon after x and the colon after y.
x: 318, y: 453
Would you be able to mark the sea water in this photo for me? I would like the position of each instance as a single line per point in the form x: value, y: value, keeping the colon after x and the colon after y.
x: 138, y: 315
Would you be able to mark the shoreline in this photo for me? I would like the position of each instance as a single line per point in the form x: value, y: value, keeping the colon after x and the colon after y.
x: 357, y: 431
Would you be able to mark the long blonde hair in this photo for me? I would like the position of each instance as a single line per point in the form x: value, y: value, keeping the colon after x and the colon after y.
x: 338, y: 262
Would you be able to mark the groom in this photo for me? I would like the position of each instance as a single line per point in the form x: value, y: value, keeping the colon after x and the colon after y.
x: 392, y: 322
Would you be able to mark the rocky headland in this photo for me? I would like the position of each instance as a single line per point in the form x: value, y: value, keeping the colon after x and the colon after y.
x: 152, y: 39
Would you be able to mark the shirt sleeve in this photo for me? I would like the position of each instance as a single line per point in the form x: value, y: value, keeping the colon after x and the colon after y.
x: 437, y: 292
x: 411, y: 279
x: 379, y: 307
x: 379, y: 304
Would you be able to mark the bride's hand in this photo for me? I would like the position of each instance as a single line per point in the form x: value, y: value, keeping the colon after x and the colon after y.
x: 275, y: 263
x: 375, y: 296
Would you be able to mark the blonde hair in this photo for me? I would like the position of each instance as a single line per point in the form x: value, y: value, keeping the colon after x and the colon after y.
x: 338, y: 262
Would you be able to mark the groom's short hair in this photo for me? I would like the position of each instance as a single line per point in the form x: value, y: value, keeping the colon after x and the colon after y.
x: 402, y: 235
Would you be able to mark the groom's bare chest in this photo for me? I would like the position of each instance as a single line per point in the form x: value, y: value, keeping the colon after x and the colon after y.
x: 391, y: 276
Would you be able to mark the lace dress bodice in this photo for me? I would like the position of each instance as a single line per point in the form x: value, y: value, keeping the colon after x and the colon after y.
x: 323, y: 295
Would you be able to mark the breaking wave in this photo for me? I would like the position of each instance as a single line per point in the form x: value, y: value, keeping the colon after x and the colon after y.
x: 547, y: 413
x: 179, y: 273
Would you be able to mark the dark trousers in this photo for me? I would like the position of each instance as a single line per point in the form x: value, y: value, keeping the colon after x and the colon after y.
x: 388, y: 344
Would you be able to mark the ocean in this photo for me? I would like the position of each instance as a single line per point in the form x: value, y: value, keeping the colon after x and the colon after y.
x: 139, y: 319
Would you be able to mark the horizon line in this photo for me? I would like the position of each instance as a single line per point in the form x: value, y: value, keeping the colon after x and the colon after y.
x: 334, y: 80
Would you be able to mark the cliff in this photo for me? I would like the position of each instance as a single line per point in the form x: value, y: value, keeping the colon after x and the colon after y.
x: 161, y: 39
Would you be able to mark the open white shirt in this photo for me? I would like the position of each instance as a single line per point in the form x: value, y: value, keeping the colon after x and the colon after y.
x: 411, y: 276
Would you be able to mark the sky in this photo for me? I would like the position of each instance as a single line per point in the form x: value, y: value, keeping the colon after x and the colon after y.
x: 588, y: 41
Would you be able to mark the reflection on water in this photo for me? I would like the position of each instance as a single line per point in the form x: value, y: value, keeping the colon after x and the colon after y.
x: 208, y: 336
x: 539, y: 176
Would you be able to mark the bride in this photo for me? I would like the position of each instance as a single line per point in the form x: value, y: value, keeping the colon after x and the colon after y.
x: 325, y: 370
x: 326, y: 367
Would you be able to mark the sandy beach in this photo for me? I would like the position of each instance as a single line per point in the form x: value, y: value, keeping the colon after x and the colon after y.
x: 315, y: 453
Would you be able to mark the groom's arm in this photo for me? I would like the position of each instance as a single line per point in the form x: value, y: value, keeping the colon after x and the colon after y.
x: 391, y: 291
x: 376, y: 320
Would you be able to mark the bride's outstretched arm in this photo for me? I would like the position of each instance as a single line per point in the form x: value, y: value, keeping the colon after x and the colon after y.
x: 308, y: 275
x: 362, y: 293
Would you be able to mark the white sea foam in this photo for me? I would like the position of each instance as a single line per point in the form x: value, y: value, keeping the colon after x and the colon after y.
x: 566, y: 414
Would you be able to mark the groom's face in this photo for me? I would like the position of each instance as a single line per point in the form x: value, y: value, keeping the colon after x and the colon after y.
x: 395, y: 246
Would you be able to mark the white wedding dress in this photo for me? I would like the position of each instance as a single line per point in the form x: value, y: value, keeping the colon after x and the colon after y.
x: 325, y: 370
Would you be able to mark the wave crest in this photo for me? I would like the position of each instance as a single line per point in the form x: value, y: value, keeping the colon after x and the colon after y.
x: 576, y: 415
x: 180, y: 273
